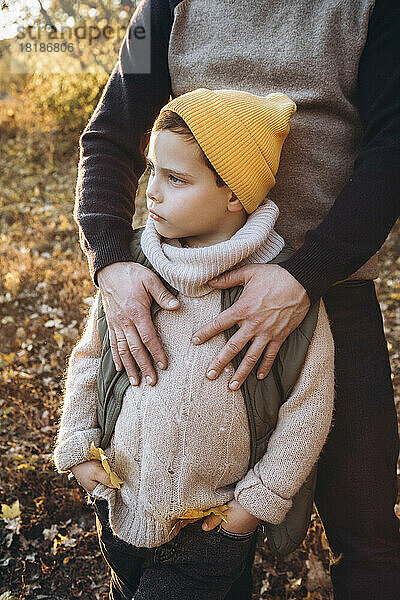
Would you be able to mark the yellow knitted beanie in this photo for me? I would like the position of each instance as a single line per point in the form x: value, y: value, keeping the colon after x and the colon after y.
x: 241, y: 134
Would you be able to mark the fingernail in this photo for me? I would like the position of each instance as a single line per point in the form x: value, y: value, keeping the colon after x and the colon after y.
x: 261, y: 376
x: 234, y: 385
x: 149, y: 379
x: 160, y: 365
x: 205, y: 526
x: 211, y: 374
x: 133, y: 381
x: 173, y: 303
x: 195, y: 340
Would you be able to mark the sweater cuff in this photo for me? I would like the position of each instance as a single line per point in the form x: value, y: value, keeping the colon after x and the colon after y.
x: 109, y: 250
x: 260, y: 501
x: 316, y: 267
x: 75, y: 449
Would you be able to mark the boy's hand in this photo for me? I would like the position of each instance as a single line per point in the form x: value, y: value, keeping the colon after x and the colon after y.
x: 238, y: 520
x: 90, y: 473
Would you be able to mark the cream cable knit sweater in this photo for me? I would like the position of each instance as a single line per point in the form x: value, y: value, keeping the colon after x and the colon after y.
x: 184, y: 443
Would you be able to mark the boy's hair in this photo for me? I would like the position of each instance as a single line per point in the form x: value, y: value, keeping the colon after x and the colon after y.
x: 171, y: 121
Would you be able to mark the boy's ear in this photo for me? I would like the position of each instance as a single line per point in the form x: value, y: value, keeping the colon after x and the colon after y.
x: 234, y: 203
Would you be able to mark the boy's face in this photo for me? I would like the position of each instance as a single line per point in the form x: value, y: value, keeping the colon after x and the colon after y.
x: 183, y: 191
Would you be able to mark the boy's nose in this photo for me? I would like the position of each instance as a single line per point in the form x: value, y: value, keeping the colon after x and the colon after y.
x: 153, y: 194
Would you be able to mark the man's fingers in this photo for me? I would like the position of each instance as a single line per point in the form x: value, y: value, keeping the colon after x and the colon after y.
x: 248, y: 363
x: 126, y: 357
x: 268, y: 359
x: 222, y: 321
x: 132, y: 345
x: 129, y: 318
x: 114, y: 349
x: 149, y: 337
x: 136, y: 348
x: 231, y: 278
x: 160, y: 294
x: 229, y: 351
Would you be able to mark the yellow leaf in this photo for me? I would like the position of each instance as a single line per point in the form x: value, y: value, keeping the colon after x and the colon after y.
x: 106, y: 466
x: 198, y: 513
x: 59, y: 339
x: 7, y: 358
x: 64, y: 224
x: 26, y: 467
x: 94, y: 452
x: 49, y: 275
x: 115, y: 480
x: 10, y: 512
x: 324, y: 541
x: 193, y: 514
x: 98, y: 454
x: 12, y: 282
x: 180, y: 523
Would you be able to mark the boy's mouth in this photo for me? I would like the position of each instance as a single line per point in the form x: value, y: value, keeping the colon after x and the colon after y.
x: 155, y: 216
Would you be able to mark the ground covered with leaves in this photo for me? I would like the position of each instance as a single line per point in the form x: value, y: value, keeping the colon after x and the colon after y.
x: 48, y: 540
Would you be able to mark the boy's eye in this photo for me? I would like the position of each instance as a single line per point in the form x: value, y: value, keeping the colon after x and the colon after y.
x: 175, y: 179
x: 150, y: 167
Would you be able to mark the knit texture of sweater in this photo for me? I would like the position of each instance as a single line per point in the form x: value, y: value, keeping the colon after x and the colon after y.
x: 185, y: 443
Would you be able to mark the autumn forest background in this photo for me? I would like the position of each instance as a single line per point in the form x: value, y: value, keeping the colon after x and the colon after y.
x: 48, y: 540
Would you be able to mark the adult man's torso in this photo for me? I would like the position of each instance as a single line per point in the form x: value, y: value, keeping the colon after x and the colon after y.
x: 311, y: 51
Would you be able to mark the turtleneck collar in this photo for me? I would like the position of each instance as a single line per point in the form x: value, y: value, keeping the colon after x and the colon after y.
x: 189, y: 269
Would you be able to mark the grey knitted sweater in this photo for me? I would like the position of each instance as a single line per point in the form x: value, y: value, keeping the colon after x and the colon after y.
x: 184, y: 443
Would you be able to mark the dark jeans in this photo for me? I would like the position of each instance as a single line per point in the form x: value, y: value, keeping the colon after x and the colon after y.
x: 357, y: 485
x: 194, y: 565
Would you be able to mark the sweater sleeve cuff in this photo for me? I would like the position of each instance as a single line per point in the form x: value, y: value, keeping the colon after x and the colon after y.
x: 260, y: 501
x: 108, y: 251
x: 316, y: 267
x: 75, y: 449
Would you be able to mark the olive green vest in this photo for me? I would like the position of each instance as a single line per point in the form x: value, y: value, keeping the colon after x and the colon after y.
x: 263, y: 397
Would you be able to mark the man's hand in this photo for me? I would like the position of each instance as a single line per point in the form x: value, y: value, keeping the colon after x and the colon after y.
x: 90, y: 473
x: 272, y: 304
x: 238, y: 520
x: 128, y: 289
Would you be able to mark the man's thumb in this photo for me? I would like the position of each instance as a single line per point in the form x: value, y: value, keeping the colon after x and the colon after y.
x: 173, y: 302
x: 162, y: 296
x: 168, y: 301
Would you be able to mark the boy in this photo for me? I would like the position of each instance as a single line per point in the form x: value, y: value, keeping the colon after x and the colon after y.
x: 185, y: 443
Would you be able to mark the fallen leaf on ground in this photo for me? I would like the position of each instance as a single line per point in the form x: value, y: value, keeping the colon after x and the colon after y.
x: 11, y: 512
